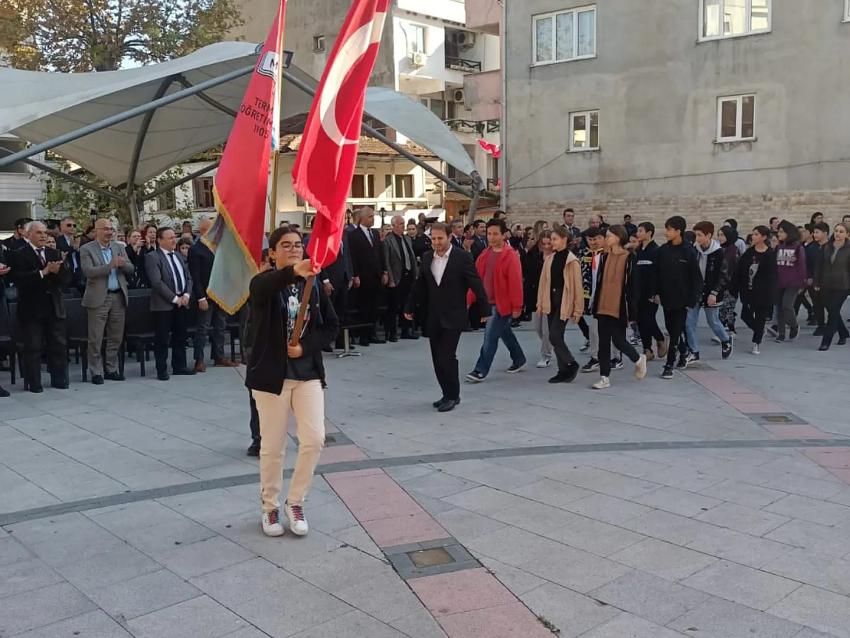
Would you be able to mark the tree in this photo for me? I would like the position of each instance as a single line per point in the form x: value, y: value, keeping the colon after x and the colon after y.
x: 101, y: 35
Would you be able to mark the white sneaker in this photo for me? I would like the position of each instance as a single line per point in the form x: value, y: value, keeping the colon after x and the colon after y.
x: 716, y: 340
x: 297, y: 522
x: 585, y: 347
x: 602, y: 384
x: 271, y: 523
x: 544, y: 362
x: 756, y: 350
x: 640, y: 367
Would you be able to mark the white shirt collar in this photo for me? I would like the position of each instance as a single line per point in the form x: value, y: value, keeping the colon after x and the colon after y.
x: 446, y: 256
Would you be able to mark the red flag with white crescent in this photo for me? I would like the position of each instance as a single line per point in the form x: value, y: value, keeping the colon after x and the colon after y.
x: 328, y: 152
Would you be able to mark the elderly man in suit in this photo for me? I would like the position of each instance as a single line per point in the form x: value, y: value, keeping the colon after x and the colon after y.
x: 402, y: 270
x: 40, y: 274
x: 105, y: 265
x: 447, y: 275
x: 171, y: 290
x: 336, y: 281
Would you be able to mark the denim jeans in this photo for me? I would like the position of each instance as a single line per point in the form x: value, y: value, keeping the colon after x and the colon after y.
x: 498, y: 327
x: 712, y: 316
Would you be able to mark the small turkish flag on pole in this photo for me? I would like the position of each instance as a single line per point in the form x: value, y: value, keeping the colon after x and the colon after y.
x: 328, y: 152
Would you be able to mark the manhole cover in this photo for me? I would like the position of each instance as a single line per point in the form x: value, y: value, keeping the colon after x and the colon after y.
x: 776, y: 418
x: 431, y: 557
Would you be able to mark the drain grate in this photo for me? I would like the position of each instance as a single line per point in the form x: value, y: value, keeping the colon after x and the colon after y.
x: 777, y: 418
x: 429, y: 558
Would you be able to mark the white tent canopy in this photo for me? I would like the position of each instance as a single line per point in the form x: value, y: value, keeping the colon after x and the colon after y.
x: 38, y: 107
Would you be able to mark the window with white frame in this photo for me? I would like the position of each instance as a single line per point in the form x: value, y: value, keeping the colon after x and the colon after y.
x: 564, y: 35
x: 732, y: 18
x: 847, y: 10
x: 416, y: 38
x: 584, y: 131
x: 736, y: 118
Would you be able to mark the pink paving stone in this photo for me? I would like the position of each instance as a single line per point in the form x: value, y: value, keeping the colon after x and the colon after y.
x: 755, y: 407
x: 340, y: 478
x: 375, y: 506
x: 504, y: 621
x: 837, y: 459
x: 797, y: 431
x: 402, y: 530
x: 456, y: 592
x: 341, y: 453
x: 844, y: 475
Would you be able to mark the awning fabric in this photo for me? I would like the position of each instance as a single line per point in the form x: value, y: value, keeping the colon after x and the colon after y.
x: 38, y: 106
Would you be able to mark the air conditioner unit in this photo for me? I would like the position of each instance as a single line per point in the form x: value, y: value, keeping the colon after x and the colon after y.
x: 464, y: 39
x: 418, y: 59
x: 458, y: 96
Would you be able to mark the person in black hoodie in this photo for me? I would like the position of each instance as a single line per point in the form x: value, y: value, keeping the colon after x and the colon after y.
x: 715, y: 281
x: 756, y: 282
x: 283, y: 377
x: 728, y: 237
x: 678, y: 284
x: 833, y: 281
x: 647, y: 289
x: 814, y: 254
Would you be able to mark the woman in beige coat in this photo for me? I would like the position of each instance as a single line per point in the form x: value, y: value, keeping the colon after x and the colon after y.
x: 560, y: 298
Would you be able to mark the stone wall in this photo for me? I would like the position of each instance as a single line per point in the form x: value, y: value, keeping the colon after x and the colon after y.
x: 749, y: 210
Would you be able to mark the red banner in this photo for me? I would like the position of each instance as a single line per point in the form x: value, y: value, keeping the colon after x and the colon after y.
x: 328, y: 152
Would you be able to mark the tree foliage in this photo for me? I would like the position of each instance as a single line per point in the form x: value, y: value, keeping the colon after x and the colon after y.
x: 101, y: 35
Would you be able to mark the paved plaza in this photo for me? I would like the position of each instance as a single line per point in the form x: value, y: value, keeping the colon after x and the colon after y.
x: 716, y: 505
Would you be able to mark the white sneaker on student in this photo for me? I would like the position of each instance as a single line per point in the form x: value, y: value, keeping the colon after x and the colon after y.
x: 544, y: 362
x: 640, y: 367
x: 297, y: 522
x: 271, y: 523
x: 602, y: 384
x: 756, y: 350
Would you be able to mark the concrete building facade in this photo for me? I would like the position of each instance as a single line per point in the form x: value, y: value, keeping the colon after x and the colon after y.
x: 706, y: 108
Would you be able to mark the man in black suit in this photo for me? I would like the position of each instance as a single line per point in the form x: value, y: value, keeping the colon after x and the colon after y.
x: 457, y: 234
x: 336, y: 280
x: 17, y: 240
x: 210, y: 314
x: 4, y: 270
x: 39, y: 273
x: 171, y: 286
x: 447, y: 274
x: 402, y: 270
x: 65, y: 245
x: 367, y: 259
x: 479, y: 238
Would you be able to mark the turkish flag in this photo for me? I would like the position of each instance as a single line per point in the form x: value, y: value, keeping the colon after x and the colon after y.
x: 328, y: 152
x: 493, y: 149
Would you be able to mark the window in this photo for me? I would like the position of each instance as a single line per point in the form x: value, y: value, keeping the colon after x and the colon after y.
x: 203, y: 190
x: 732, y: 18
x: 318, y: 43
x: 736, y: 118
x: 416, y: 39
x: 847, y: 10
x: 362, y: 186
x: 564, y: 35
x: 166, y: 200
x: 404, y: 186
x: 584, y: 131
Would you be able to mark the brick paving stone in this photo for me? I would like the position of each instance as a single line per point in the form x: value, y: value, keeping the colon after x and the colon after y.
x: 744, y: 494
x: 631, y: 626
x: 810, y: 509
x: 818, y: 609
x: 504, y: 621
x: 141, y: 595
x: 717, y: 618
x: 572, y: 614
x: 457, y: 592
x: 821, y: 538
x: 26, y: 575
x: 93, y: 624
x: 743, y: 519
x: 54, y: 603
x: 740, y: 584
x: 678, y: 501
x: 649, y: 597
x: 201, y: 617
x: 663, y: 559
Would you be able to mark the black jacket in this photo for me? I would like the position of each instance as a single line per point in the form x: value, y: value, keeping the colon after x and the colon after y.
x: 834, y: 276
x: 629, y: 296
x: 200, y: 267
x: 446, y: 303
x: 716, y: 279
x: 341, y: 271
x: 267, y: 363
x: 367, y: 260
x: 38, y: 297
x: 647, y: 279
x: 678, y: 279
x: 765, y: 287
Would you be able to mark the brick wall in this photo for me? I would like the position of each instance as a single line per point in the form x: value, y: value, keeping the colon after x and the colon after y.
x: 749, y: 210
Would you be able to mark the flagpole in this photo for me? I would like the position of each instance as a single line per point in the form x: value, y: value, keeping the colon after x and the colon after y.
x: 273, y: 195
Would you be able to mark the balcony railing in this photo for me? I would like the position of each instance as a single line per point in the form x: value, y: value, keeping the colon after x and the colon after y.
x: 471, y: 126
x: 464, y: 66
x: 494, y: 184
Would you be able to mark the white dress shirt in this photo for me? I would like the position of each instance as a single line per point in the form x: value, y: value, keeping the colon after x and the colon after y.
x: 438, y: 265
x: 368, y: 232
x: 177, y: 274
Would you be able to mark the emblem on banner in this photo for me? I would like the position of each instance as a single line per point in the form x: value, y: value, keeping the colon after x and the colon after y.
x: 268, y: 64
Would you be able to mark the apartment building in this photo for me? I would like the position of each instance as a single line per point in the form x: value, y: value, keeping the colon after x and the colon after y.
x: 707, y: 108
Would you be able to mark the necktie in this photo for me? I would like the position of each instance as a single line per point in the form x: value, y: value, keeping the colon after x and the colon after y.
x: 369, y: 236
x: 404, y: 251
x: 41, y: 257
x: 178, y: 274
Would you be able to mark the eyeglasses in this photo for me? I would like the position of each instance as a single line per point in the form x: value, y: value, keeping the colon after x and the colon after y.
x: 285, y: 245
x: 71, y: 224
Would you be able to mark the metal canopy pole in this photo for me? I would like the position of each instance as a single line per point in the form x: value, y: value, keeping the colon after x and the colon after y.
x: 385, y: 140
x: 69, y: 178
x: 171, y: 185
x: 65, y: 138
x: 206, y: 98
